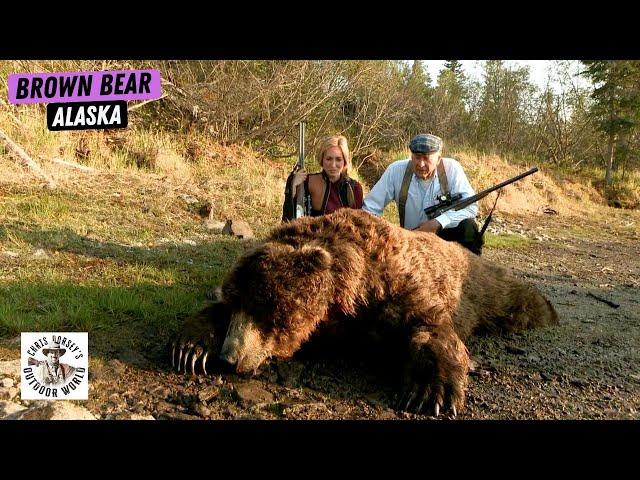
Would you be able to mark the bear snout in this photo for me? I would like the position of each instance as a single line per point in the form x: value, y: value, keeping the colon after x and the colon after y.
x: 243, y: 348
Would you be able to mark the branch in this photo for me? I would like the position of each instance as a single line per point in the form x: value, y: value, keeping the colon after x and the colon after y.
x: 603, y: 300
x: 26, y: 160
x: 145, y: 102
x: 66, y: 163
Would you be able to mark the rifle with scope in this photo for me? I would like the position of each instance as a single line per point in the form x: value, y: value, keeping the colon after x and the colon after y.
x: 455, y: 202
x: 298, y: 204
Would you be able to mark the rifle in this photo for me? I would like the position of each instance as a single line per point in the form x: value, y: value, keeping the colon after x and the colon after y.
x: 454, y: 202
x: 302, y: 207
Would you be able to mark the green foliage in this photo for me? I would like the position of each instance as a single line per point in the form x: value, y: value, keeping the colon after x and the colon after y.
x: 379, y: 105
x: 616, y: 106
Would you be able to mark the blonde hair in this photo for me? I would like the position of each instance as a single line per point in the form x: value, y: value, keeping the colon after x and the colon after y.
x: 335, y: 141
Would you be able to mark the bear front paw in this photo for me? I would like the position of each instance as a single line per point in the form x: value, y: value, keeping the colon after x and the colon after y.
x: 189, y: 354
x: 433, y: 397
x: 198, y: 345
x: 436, y: 374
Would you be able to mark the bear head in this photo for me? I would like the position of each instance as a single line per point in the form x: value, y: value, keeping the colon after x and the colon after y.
x: 275, y: 298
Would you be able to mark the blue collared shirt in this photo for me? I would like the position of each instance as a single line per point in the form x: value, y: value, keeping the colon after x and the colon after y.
x: 422, y: 194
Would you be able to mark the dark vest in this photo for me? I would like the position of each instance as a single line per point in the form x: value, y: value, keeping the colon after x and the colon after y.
x: 345, y: 186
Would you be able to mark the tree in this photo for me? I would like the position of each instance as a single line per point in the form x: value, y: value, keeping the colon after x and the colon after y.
x: 505, y: 107
x: 616, y: 103
x: 448, y: 105
x: 419, y: 93
x: 455, y: 67
x: 563, y: 129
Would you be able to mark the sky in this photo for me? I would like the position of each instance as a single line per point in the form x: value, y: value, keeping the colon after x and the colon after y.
x: 473, y: 68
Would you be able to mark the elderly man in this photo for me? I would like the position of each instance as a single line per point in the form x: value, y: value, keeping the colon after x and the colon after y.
x: 52, y: 372
x: 419, y: 182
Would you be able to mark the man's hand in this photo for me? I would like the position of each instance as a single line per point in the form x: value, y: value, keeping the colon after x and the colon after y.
x: 432, y: 226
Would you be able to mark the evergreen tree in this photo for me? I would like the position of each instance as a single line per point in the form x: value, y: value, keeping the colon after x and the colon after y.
x: 616, y: 103
x: 449, y: 102
x: 505, y: 109
x: 455, y: 67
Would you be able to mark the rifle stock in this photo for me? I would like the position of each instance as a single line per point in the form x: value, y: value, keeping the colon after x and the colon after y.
x: 457, y: 204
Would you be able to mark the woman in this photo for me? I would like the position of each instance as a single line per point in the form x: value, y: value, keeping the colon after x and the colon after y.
x: 328, y: 190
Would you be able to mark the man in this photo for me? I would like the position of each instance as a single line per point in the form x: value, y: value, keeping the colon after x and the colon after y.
x: 426, y: 177
x: 52, y: 372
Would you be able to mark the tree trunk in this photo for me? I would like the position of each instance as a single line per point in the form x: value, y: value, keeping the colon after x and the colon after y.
x: 612, y: 153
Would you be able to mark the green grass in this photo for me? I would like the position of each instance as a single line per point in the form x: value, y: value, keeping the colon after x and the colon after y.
x: 80, y: 264
x: 68, y: 306
x: 506, y: 241
x: 113, y: 290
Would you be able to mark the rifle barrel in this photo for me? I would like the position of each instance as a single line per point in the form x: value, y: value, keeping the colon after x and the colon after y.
x: 301, y: 145
x: 300, y: 207
x: 469, y: 200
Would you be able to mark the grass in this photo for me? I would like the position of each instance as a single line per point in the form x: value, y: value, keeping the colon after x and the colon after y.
x: 83, y: 285
x: 38, y: 307
x: 506, y: 241
x: 83, y: 260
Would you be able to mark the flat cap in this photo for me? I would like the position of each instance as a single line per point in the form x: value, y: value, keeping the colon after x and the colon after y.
x: 425, y: 143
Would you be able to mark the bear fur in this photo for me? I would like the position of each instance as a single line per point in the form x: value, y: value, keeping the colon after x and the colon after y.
x: 353, y: 271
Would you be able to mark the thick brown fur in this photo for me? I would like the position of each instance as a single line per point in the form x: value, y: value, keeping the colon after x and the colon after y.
x: 334, y: 269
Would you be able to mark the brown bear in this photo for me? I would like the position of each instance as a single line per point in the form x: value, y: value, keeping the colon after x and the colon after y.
x: 356, y: 271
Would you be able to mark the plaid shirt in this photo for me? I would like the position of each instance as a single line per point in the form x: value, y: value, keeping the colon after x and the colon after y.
x: 422, y: 194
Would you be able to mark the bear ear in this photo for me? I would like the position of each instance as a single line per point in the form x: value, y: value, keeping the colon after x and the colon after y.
x: 312, y: 259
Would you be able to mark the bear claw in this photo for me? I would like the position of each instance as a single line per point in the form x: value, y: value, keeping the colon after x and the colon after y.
x: 189, y: 346
x: 180, y: 357
x: 429, y: 403
x: 204, y: 362
x: 197, y: 353
x: 189, y: 357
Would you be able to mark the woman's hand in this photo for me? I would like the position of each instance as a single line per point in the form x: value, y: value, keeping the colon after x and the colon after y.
x: 299, y: 178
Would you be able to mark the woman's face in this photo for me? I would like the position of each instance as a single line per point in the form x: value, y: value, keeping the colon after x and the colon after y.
x: 333, y: 162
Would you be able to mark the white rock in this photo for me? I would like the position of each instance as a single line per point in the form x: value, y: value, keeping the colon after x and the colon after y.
x: 135, y: 416
x: 53, y: 410
x: 188, y: 198
x: 10, y: 367
x: 10, y: 408
x: 40, y: 253
x: 7, y: 253
x: 6, y: 383
x: 214, y: 225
